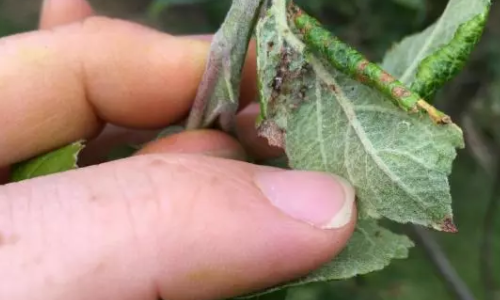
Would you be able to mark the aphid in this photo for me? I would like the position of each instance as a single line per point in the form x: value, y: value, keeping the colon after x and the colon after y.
x: 302, y: 92
x: 283, y: 69
x: 277, y: 83
x: 305, y: 68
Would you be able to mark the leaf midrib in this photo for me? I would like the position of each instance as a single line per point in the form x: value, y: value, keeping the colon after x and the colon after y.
x: 298, y: 45
x: 355, y: 125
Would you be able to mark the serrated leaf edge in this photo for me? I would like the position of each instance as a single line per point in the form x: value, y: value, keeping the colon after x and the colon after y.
x: 294, y: 42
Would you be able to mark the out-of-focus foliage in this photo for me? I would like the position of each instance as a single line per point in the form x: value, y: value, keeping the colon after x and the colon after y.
x: 363, y: 23
x: 485, y: 110
x: 372, y: 26
x: 415, y: 4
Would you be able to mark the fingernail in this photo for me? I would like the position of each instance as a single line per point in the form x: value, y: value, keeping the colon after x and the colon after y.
x: 322, y: 200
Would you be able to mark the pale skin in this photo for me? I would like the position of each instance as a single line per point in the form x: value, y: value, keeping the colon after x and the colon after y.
x: 185, y: 218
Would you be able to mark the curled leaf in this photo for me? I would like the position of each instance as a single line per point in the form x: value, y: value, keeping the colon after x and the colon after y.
x: 427, y: 60
x: 218, y: 92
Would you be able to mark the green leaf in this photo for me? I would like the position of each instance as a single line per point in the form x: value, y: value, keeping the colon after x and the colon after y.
x: 156, y: 7
x: 371, y: 248
x: 122, y: 151
x: 170, y: 130
x: 429, y: 59
x: 180, y: 2
x: 60, y: 160
x: 414, y: 4
x: 217, y: 97
x: 327, y: 121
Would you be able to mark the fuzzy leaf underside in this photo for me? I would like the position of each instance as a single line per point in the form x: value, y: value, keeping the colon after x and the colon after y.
x: 326, y: 121
x: 218, y: 92
x: 371, y: 248
x: 427, y: 60
x: 60, y: 160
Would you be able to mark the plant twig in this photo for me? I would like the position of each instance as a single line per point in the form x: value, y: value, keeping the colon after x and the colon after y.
x: 453, y: 281
x: 478, y: 146
x: 487, y: 257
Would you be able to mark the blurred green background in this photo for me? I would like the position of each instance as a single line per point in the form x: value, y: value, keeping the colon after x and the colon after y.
x: 472, y: 99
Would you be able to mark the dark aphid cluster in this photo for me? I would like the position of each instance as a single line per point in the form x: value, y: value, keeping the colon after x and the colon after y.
x: 282, y: 71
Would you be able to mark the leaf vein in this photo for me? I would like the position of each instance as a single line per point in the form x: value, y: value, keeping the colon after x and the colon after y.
x: 356, y: 126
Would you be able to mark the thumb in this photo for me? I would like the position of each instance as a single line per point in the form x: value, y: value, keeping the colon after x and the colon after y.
x: 60, y: 12
x: 173, y: 226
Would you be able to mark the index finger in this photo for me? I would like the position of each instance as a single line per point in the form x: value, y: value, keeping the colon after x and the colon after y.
x: 60, y: 86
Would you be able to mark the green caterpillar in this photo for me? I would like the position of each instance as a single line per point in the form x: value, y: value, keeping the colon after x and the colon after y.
x: 354, y: 64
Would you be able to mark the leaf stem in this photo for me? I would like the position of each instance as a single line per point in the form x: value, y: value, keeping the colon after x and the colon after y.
x: 487, y: 257
x: 453, y: 281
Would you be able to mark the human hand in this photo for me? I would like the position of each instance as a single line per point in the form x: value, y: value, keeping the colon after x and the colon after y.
x: 182, y: 219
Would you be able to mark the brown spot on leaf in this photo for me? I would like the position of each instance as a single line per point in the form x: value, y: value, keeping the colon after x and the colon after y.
x: 446, y: 120
x: 362, y: 78
x: 276, y: 83
x: 305, y: 68
x: 306, y: 29
x: 274, y: 135
x: 302, y: 92
x: 363, y: 64
x: 448, y: 225
x: 414, y: 109
x: 400, y: 92
x: 296, y: 11
x: 270, y: 45
x: 333, y: 88
x: 386, y: 77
